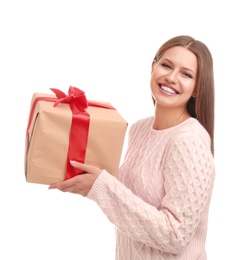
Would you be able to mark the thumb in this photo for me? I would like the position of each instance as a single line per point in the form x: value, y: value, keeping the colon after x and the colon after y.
x: 85, y: 167
x: 77, y: 165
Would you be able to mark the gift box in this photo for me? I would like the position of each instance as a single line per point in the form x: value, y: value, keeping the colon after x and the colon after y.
x: 69, y: 127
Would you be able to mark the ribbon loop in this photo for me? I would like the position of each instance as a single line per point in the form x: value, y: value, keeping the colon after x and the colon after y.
x: 76, y: 98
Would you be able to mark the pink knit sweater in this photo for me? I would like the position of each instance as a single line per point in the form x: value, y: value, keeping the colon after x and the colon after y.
x: 160, y: 202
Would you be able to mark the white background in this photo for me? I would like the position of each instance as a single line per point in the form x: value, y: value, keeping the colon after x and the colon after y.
x: 106, y: 48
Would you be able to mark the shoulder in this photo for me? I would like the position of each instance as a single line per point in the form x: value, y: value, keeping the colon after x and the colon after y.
x: 140, y: 128
x: 192, y: 131
x: 144, y: 123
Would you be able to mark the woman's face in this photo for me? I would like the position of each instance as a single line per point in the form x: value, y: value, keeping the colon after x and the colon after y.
x: 173, y: 78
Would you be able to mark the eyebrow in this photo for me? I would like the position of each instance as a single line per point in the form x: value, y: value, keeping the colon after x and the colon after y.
x: 182, y: 67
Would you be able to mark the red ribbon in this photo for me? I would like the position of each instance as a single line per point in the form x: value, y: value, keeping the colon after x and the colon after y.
x: 80, y: 123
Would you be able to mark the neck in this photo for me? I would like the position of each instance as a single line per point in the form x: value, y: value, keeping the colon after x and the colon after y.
x: 166, y: 119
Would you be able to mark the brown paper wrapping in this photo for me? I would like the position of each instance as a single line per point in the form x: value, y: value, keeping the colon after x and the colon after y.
x: 48, y: 140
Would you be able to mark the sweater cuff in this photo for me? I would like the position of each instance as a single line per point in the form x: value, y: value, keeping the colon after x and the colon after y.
x: 99, y: 186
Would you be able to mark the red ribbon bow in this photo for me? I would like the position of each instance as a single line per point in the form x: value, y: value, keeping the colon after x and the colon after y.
x: 75, y: 97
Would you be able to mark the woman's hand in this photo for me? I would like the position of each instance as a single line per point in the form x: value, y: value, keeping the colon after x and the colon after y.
x: 80, y: 184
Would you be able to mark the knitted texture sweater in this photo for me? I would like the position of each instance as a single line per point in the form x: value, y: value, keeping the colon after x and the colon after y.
x: 160, y: 201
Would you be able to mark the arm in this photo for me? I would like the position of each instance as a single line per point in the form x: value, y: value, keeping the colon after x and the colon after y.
x: 188, y: 179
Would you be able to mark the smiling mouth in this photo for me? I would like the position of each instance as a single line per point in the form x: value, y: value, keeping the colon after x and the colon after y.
x: 168, y: 90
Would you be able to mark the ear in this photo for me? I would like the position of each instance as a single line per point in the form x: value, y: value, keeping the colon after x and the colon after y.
x: 194, y: 94
x: 153, y: 65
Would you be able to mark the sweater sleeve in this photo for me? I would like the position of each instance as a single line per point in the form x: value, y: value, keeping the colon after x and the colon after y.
x: 188, y: 178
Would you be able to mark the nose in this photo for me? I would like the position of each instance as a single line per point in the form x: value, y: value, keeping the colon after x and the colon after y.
x: 172, y: 76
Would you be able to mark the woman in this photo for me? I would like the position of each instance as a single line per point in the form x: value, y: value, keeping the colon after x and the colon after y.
x: 160, y: 201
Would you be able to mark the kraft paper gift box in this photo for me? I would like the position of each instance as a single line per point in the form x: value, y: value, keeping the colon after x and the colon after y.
x: 69, y: 127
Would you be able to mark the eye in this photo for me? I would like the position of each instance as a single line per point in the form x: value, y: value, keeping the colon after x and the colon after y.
x: 166, y: 65
x: 187, y: 75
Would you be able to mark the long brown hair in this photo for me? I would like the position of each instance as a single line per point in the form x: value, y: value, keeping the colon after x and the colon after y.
x: 201, y: 105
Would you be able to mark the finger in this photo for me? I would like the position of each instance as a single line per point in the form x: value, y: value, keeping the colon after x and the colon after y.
x: 85, y: 167
x: 76, y: 164
x: 62, y: 185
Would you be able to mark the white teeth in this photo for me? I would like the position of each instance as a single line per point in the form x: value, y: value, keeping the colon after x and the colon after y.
x: 169, y: 90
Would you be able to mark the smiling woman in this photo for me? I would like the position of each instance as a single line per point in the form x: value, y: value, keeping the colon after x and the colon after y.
x: 160, y: 201
x: 195, y: 68
x: 173, y: 83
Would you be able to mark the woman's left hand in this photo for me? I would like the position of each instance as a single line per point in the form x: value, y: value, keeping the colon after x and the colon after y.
x: 80, y: 184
